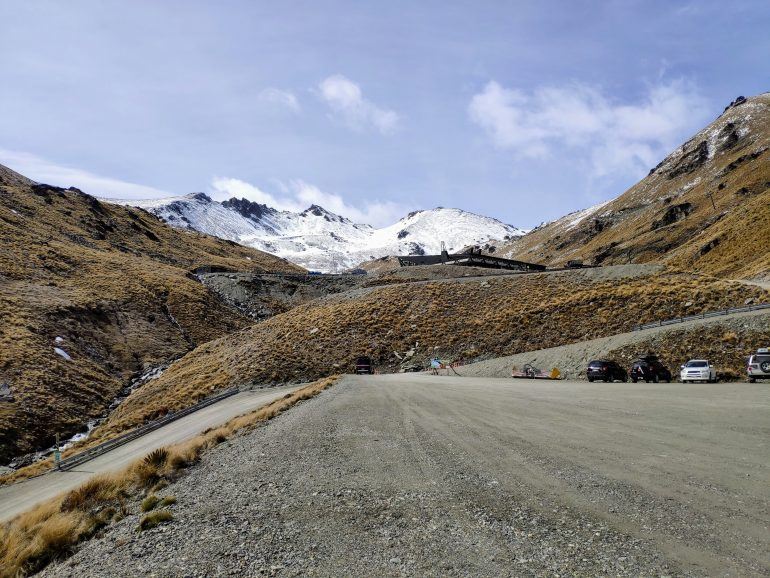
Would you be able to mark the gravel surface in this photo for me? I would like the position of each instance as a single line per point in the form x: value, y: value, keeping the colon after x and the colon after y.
x: 424, y: 475
x: 572, y: 359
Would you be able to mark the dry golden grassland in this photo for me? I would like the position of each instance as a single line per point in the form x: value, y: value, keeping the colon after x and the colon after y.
x: 473, y: 319
x: 669, y: 215
x: 54, y: 529
x: 115, y: 284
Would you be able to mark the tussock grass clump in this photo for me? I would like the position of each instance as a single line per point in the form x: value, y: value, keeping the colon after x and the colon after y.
x: 156, y: 458
x: 149, y: 503
x: 167, y: 501
x: 154, y: 519
x: 52, y: 529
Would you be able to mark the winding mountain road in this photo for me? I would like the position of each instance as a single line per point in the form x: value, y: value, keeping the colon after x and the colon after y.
x: 22, y: 496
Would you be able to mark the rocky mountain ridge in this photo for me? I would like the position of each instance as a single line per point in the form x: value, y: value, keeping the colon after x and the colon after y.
x: 320, y: 240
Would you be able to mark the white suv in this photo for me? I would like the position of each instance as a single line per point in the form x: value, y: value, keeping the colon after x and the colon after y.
x: 759, y: 365
x: 698, y: 370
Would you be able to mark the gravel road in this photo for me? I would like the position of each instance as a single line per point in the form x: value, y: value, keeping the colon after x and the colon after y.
x: 22, y: 496
x: 425, y: 475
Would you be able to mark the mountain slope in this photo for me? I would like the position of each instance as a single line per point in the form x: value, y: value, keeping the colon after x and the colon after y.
x: 669, y: 215
x: 320, y: 240
x: 91, y: 294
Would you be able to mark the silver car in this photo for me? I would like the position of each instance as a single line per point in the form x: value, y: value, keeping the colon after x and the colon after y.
x: 759, y: 365
x: 698, y: 370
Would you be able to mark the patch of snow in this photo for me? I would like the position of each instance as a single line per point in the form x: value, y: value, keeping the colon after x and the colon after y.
x: 82, y: 435
x: 64, y: 354
x: 579, y: 216
x: 59, y: 340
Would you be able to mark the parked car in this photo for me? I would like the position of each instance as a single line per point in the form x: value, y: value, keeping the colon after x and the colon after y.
x: 698, y: 370
x: 364, y: 365
x: 759, y: 365
x: 650, y: 369
x: 606, y: 370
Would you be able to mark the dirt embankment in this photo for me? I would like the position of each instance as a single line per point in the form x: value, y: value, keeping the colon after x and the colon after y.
x: 725, y: 341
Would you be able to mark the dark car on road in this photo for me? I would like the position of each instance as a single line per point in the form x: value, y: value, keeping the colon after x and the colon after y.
x: 364, y: 365
x: 605, y: 370
x: 650, y: 369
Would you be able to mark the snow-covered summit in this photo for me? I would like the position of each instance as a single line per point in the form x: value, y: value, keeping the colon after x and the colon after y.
x: 321, y: 240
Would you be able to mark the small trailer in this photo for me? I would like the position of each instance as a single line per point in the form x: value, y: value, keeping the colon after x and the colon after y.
x: 531, y: 372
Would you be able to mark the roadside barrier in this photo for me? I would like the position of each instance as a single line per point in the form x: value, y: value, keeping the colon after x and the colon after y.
x: 103, y: 448
x: 718, y: 313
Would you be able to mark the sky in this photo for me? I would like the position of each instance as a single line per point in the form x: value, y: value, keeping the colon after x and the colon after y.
x: 523, y: 111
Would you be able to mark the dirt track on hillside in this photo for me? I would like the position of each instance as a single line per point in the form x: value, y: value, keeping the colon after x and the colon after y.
x: 423, y: 475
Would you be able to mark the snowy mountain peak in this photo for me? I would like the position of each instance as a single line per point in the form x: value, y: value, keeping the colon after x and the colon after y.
x: 321, y: 240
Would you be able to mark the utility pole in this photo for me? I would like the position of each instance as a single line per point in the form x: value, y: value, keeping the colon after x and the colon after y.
x: 710, y: 195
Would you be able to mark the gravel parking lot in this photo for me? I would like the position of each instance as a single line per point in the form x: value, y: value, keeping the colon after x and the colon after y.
x: 426, y: 475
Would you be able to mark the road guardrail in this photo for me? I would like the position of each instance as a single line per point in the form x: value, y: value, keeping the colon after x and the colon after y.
x: 718, y: 313
x: 103, y: 448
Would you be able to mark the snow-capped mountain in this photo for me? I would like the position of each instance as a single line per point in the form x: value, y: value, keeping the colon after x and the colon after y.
x: 323, y: 241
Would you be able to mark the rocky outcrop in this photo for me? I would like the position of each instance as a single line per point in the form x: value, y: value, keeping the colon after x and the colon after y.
x: 248, y: 209
x: 672, y: 215
x: 690, y: 160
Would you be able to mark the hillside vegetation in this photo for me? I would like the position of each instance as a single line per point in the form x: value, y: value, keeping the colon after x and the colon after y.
x: 705, y: 207
x: 468, y: 318
x: 91, y: 294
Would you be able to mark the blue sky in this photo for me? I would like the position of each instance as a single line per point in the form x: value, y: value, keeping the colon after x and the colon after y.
x: 520, y: 110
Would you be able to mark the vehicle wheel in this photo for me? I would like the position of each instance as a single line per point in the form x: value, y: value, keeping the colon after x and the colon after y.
x: 590, y: 380
x: 625, y: 380
x: 655, y: 379
x: 752, y: 380
x: 633, y: 380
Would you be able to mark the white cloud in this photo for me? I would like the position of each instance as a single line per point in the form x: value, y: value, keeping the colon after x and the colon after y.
x: 581, y: 121
x: 284, y: 98
x: 44, y: 171
x: 298, y: 195
x: 347, y: 102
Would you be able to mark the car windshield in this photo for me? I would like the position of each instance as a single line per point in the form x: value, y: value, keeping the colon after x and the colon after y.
x: 697, y: 364
x: 597, y: 363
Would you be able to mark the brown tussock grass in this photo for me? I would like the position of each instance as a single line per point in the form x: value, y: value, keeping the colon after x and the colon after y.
x: 53, y: 529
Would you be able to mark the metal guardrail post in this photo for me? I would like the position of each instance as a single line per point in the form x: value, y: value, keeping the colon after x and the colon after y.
x: 702, y: 315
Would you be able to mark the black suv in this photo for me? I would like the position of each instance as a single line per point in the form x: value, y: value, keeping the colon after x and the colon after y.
x: 605, y: 370
x: 650, y: 369
x: 364, y: 366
